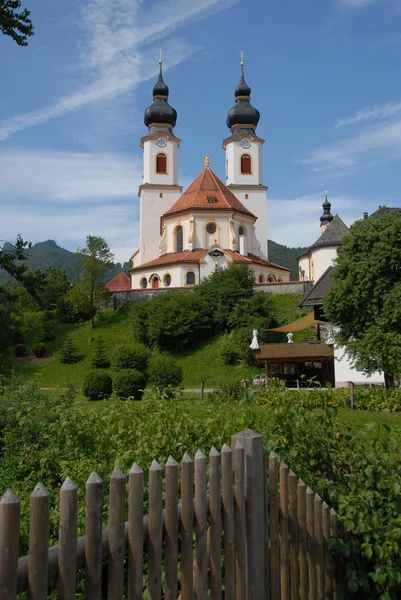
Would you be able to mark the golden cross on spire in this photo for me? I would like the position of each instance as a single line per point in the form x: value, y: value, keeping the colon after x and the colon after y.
x: 160, y: 57
x: 207, y: 161
x: 242, y: 56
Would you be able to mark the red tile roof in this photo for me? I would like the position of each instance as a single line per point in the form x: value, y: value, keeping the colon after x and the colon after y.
x: 208, y: 186
x: 195, y: 256
x: 119, y: 283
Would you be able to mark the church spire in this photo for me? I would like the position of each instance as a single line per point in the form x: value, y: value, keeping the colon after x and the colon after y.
x: 326, y: 217
x: 160, y: 114
x: 243, y: 115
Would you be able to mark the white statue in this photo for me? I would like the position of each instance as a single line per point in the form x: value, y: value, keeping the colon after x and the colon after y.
x: 254, y: 344
x: 290, y: 336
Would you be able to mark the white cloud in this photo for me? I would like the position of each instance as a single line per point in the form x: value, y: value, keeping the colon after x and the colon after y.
x: 68, y: 176
x: 374, y: 113
x: 356, y: 3
x: 377, y: 144
x: 115, y: 30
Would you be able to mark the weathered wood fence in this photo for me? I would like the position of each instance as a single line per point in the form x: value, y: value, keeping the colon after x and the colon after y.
x: 249, y: 531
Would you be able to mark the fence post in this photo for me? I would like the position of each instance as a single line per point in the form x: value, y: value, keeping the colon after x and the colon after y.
x: 254, y: 510
x: 351, y: 385
x: 202, y: 390
x: 10, y: 507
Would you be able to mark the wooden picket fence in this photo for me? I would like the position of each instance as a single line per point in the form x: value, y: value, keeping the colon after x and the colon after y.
x: 250, y: 530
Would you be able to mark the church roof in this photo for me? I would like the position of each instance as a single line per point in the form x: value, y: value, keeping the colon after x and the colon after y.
x: 119, y: 283
x: 317, y: 292
x: 209, y: 193
x: 194, y: 256
x: 333, y: 235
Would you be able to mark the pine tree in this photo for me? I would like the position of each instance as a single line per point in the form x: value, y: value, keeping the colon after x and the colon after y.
x: 100, y: 359
x: 69, y: 351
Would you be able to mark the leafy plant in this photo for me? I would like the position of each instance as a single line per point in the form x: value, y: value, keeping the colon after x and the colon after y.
x: 129, y: 383
x: 164, y: 371
x: 97, y: 386
x: 39, y: 350
x: 20, y: 350
x: 135, y: 356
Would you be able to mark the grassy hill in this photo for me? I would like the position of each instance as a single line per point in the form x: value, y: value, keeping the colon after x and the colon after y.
x: 48, y: 254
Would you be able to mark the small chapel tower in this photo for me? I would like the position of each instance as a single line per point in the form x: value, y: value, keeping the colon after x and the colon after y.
x: 244, y: 160
x: 159, y: 188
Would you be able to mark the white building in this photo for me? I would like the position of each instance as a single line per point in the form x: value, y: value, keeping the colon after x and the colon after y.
x: 184, y: 237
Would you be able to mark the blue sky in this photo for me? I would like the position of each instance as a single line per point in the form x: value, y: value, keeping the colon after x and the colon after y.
x: 325, y: 76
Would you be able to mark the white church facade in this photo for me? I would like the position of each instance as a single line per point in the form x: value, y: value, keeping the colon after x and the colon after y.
x: 185, y: 236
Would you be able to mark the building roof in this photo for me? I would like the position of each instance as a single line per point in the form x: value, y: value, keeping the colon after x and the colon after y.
x: 333, y: 235
x: 119, y: 283
x: 207, y: 187
x: 315, y: 295
x: 194, y: 256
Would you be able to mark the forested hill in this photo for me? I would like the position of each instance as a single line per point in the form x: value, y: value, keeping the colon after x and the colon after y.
x: 48, y: 254
x: 286, y: 257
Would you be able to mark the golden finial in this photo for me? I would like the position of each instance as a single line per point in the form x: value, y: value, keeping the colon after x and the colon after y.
x: 242, y: 56
x: 160, y: 57
x: 207, y: 161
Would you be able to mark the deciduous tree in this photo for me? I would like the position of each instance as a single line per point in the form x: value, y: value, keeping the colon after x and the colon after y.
x: 365, y: 299
x: 14, y: 22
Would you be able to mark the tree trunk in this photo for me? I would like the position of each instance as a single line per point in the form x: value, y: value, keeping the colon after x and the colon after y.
x: 389, y: 381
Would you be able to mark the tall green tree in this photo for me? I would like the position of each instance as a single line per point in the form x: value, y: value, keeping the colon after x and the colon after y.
x: 15, y: 22
x: 10, y: 253
x: 365, y: 299
x: 96, y: 259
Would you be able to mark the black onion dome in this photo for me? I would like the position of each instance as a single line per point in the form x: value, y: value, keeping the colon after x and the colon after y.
x: 326, y: 217
x: 160, y: 112
x: 243, y: 113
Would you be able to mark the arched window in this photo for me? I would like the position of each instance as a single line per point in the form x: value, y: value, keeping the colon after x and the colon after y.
x: 246, y: 164
x: 261, y: 278
x: 161, y: 163
x: 167, y: 280
x: 271, y: 278
x: 240, y: 230
x: 179, y: 239
x: 143, y: 283
x: 190, y: 279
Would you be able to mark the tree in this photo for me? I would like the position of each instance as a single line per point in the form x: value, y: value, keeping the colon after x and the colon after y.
x: 365, y: 299
x: 16, y: 24
x: 96, y: 260
x: 10, y: 253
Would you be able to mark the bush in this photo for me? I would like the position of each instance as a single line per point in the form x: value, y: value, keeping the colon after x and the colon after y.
x: 20, y: 350
x: 100, y: 359
x: 46, y: 334
x: 74, y: 307
x: 129, y: 383
x: 69, y: 351
x: 164, y: 371
x: 39, y: 350
x: 97, y: 386
x: 132, y: 357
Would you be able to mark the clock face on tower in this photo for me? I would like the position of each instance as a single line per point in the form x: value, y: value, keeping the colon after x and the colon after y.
x: 245, y: 143
x: 161, y: 142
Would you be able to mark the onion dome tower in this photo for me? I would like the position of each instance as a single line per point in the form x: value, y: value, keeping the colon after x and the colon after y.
x: 243, y: 117
x: 160, y: 116
x: 326, y: 217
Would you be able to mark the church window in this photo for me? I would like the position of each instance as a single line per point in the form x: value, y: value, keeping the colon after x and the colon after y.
x: 161, y: 163
x: 190, y: 278
x: 167, y: 280
x: 143, y: 283
x: 271, y: 278
x: 261, y: 278
x: 211, y: 227
x: 246, y: 164
x: 246, y: 196
x: 160, y: 195
x: 240, y: 230
x: 179, y: 239
x: 155, y: 281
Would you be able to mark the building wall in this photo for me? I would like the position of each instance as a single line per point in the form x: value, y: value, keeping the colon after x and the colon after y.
x: 316, y: 262
x: 256, y: 203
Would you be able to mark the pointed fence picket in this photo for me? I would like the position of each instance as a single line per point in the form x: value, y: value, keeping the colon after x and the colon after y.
x: 237, y: 525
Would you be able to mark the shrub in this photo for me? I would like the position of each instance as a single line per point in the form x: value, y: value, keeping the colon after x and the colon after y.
x: 20, y: 350
x: 234, y: 347
x: 100, y: 359
x: 39, y: 350
x: 129, y: 383
x: 69, y: 351
x: 164, y: 371
x: 46, y: 334
x: 74, y: 307
x: 97, y: 386
x: 132, y: 357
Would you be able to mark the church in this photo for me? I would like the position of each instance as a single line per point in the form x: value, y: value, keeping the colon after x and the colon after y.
x: 185, y: 236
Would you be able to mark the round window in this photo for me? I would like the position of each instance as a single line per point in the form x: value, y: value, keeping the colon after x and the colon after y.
x: 144, y: 283
x: 211, y: 227
x: 167, y: 280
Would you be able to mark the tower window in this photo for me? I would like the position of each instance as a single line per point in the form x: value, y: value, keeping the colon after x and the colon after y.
x: 190, y: 278
x: 179, y: 239
x: 161, y: 163
x: 211, y: 227
x: 240, y: 230
x: 160, y: 195
x: 246, y: 164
